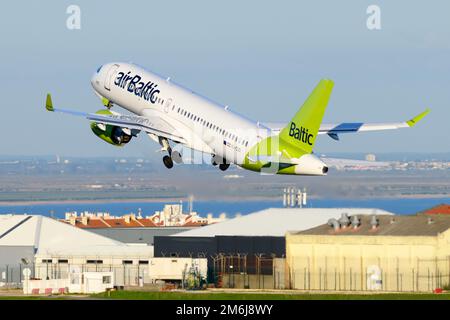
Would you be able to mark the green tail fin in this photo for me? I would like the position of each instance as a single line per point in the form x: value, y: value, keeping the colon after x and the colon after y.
x: 298, y: 137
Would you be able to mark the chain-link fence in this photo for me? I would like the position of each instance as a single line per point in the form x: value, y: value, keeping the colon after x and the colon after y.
x: 124, y: 275
x: 269, y: 272
x: 11, y: 276
x: 248, y: 271
x: 356, y: 274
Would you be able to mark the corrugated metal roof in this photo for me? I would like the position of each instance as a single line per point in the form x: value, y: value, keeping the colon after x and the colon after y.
x: 52, y: 236
x: 276, y: 221
x: 388, y: 226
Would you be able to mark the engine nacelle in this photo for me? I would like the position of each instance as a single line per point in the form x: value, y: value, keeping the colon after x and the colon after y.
x: 308, y: 165
x: 114, y: 135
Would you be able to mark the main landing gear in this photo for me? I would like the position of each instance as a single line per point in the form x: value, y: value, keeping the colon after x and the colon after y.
x: 223, y: 165
x: 173, y: 156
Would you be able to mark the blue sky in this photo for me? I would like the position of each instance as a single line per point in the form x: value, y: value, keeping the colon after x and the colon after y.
x: 260, y: 58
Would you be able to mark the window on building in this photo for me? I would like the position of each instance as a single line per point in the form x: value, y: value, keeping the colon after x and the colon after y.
x: 94, y: 261
x: 143, y: 261
x: 47, y: 260
x: 127, y: 261
x: 63, y: 261
x: 106, y: 279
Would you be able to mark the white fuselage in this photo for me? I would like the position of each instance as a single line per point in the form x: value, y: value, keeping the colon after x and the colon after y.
x: 207, y: 126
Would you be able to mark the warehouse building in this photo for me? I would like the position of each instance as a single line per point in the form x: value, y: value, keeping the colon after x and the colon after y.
x: 51, y: 249
x: 357, y: 252
x: 249, y: 251
x: 276, y: 222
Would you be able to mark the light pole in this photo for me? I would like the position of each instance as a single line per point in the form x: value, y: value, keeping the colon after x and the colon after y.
x: 231, y: 274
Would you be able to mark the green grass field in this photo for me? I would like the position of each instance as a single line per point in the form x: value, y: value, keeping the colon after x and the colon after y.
x: 137, y: 295
x: 140, y: 295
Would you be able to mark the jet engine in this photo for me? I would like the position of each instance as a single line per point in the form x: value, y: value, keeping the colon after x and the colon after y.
x: 114, y: 135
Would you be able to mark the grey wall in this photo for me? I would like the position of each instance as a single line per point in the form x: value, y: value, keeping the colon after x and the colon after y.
x: 11, y: 264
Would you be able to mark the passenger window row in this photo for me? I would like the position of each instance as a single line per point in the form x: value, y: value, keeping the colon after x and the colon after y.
x: 210, y: 125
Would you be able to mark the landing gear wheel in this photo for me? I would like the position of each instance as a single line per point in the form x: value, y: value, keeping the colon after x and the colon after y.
x: 215, y: 160
x: 224, y: 166
x: 176, y: 157
x: 168, y: 162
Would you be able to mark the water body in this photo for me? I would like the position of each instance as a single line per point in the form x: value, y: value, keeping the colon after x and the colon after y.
x: 398, y: 206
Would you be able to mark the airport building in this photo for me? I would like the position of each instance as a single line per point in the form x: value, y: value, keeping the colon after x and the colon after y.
x: 361, y: 252
x: 278, y: 248
x: 249, y: 251
x: 52, y: 249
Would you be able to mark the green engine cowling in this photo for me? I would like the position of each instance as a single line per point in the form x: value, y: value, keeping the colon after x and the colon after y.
x: 112, y: 134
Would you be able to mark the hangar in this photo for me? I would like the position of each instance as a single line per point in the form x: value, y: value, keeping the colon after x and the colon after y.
x: 253, y: 244
x: 51, y: 249
x: 388, y: 253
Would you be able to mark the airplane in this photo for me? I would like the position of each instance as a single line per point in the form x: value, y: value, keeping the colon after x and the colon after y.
x: 173, y: 115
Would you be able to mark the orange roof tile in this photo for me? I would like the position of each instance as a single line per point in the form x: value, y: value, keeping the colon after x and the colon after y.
x: 121, y: 223
x: 439, y: 209
x: 147, y: 222
x: 91, y: 223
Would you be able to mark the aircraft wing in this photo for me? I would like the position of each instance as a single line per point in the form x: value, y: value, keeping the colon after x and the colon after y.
x: 334, y: 130
x: 149, y: 124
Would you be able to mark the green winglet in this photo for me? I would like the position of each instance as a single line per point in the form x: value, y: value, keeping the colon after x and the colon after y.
x: 417, y: 118
x: 49, y: 103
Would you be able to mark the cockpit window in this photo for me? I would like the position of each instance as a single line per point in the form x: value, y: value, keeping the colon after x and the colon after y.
x: 99, y: 68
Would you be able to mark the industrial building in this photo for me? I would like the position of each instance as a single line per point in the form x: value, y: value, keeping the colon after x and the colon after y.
x: 275, y: 222
x: 249, y: 251
x: 358, y: 252
x: 52, y: 249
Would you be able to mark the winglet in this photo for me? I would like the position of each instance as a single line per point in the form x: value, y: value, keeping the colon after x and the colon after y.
x: 417, y: 118
x: 49, y: 103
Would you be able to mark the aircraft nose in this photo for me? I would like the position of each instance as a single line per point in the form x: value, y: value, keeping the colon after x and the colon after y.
x: 95, y: 80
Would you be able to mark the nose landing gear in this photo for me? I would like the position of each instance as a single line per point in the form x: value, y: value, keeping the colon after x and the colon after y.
x: 173, y: 156
x: 216, y: 160
x: 167, y: 160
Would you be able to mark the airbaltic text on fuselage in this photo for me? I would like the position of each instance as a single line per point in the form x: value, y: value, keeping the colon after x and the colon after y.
x: 147, y: 90
x: 301, y: 134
